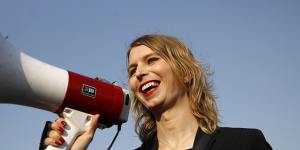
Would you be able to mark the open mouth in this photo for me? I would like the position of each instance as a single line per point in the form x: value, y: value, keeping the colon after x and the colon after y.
x: 149, y: 87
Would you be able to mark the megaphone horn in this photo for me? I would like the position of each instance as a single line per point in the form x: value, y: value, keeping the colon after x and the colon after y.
x: 27, y: 81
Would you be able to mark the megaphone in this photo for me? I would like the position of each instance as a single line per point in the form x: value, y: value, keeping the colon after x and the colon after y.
x: 27, y: 81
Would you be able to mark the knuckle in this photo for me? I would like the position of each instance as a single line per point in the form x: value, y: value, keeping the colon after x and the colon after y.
x: 53, y: 134
x: 49, y: 141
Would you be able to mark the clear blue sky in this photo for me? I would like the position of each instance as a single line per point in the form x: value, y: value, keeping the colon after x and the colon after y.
x: 252, y: 47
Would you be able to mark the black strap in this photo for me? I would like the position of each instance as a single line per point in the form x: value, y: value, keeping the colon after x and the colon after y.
x: 202, y: 140
x: 44, y: 135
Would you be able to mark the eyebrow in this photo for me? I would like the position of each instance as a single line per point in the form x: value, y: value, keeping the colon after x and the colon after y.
x: 144, y: 57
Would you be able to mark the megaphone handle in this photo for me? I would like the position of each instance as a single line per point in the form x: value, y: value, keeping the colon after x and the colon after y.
x: 77, y: 123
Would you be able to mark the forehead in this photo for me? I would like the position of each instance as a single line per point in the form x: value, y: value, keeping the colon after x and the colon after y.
x: 138, y: 53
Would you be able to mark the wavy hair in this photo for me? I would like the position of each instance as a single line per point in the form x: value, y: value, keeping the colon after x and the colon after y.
x: 192, y: 74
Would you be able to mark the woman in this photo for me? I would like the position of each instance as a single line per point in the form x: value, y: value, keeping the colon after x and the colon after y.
x: 173, y: 103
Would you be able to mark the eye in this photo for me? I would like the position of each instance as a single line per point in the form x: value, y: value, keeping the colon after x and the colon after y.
x: 152, y: 60
x: 131, y: 71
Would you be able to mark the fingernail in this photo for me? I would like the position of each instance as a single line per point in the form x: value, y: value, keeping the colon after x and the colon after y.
x: 61, y: 129
x: 61, y: 140
x: 58, y: 142
x: 63, y: 123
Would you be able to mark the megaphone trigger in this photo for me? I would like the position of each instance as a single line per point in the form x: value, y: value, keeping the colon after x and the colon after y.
x: 77, y: 123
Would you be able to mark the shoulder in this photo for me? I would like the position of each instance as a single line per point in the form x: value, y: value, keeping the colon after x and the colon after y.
x: 150, y: 144
x: 245, y: 138
x: 239, y: 132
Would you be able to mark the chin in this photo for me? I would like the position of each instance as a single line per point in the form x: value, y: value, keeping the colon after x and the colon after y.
x: 155, y: 107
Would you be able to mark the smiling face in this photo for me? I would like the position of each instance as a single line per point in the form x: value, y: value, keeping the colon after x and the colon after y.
x: 152, y: 79
x: 164, y: 73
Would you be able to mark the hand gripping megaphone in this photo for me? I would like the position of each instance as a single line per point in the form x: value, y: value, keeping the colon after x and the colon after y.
x: 27, y: 81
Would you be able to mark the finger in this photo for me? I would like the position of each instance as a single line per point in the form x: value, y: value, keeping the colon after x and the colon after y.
x: 54, y: 138
x: 49, y: 141
x: 58, y: 125
x: 54, y: 134
x: 94, y: 122
x: 54, y: 142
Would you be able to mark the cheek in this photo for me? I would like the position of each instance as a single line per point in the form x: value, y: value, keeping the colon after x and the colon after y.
x: 172, y: 81
x: 133, y: 85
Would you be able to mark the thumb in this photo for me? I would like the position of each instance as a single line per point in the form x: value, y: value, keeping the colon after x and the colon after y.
x: 85, y: 139
x: 93, y: 125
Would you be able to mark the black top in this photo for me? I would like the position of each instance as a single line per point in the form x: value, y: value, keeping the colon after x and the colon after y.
x: 223, y: 138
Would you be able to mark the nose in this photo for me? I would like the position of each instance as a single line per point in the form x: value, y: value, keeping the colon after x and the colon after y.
x: 141, y: 71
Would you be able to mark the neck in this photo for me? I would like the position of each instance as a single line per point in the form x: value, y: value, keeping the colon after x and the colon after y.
x: 176, y: 127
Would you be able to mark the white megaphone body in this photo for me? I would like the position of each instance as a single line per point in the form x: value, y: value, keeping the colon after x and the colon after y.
x: 27, y: 81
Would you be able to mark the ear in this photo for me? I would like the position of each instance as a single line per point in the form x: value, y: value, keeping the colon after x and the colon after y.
x: 186, y: 79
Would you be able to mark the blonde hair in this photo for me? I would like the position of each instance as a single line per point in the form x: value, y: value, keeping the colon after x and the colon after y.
x: 189, y: 72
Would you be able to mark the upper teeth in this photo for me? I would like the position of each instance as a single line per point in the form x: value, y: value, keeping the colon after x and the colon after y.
x: 144, y: 87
